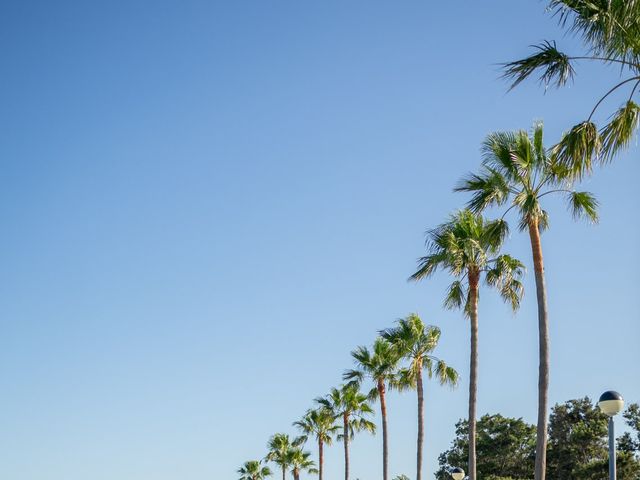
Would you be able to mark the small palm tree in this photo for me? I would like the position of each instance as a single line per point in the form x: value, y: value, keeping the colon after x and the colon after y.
x: 467, y: 247
x: 415, y: 341
x: 253, y: 470
x: 321, y: 423
x: 610, y: 31
x: 279, y: 446
x: 348, y: 403
x: 519, y: 171
x: 381, y: 367
x: 299, y: 461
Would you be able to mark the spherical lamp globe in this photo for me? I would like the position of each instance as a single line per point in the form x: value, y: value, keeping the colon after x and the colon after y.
x: 611, y: 403
x: 457, y: 473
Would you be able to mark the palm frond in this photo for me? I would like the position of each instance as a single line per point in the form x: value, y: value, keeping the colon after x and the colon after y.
x: 578, y: 147
x: 554, y: 66
x: 506, y: 274
x: 488, y: 188
x: 353, y: 376
x: 583, y: 205
x: 497, y: 153
x: 610, y: 29
x: 428, y: 265
x: 617, y: 134
x: 456, y: 296
x: 444, y: 374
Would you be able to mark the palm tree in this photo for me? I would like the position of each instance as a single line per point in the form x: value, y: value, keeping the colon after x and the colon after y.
x: 610, y: 31
x: 519, y: 171
x: 253, y: 470
x: 467, y: 247
x: 353, y: 407
x: 414, y: 340
x: 299, y: 461
x: 320, y: 423
x: 279, y: 446
x: 381, y: 367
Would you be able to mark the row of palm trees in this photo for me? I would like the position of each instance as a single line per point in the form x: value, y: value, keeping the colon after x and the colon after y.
x: 399, y: 359
x: 517, y: 173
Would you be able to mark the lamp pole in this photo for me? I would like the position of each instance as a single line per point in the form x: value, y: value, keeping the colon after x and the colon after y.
x: 611, y: 403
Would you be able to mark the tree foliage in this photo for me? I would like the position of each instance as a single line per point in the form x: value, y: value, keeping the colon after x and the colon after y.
x: 610, y: 31
x: 578, y: 445
x: 505, y: 448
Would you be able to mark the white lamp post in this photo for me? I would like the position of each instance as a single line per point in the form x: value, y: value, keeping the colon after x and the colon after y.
x: 457, y: 473
x: 611, y: 403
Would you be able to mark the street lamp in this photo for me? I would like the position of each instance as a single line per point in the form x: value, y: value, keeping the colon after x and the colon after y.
x: 457, y: 473
x: 611, y: 403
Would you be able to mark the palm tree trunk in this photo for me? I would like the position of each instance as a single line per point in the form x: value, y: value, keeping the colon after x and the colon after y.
x: 320, y: 458
x: 420, y: 390
x: 345, y: 440
x: 543, y: 335
x: 474, y: 278
x: 385, y: 445
x: 284, y: 472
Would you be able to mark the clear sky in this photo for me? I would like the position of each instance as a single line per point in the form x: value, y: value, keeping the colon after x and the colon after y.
x: 206, y: 205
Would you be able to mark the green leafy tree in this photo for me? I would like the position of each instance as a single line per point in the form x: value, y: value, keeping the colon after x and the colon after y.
x: 517, y: 170
x: 321, y: 424
x: 610, y: 30
x: 380, y: 365
x: 401, y: 477
x: 415, y: 341
x: 578, y: 444
x: 352, y: 406
x: 254, y: 470
x: 300, y: 461
x: 468, y: 248
x: 278, y: 447
x: 505, y: 447
x: 631, y: 441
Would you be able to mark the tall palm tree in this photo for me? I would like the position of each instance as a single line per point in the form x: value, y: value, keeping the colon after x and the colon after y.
x: 321, y: 423
x: 279, y: 446
x: 519, y: 171
x: 467, y: 247
x: 380, y: 366
x: 415, y: 341
x: 253, y: 470
x: 348, y: 403
x: 299, y: 461
x: 610, y: 30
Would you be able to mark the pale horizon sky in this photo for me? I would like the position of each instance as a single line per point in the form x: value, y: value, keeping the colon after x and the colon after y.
x: 206, y: 206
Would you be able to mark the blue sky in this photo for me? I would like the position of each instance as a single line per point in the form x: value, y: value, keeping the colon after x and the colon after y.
x: 206, y: 205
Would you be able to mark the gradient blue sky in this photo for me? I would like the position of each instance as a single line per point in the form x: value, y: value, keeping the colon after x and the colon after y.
x: 206, y: 205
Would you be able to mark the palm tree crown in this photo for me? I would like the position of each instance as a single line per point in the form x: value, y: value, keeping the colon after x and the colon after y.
x: 253, y: 470
x: 379, y: 365
x: 610, y: 30
x: 350, y: 401
x: 416, y: 341
x: 519, y: 171
x: 279, y: 446
x: 320, y: 423
x: 467, y: 246
x: 299, y: 461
